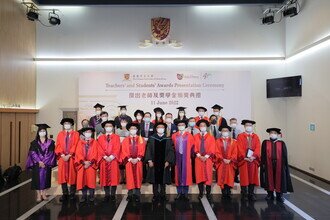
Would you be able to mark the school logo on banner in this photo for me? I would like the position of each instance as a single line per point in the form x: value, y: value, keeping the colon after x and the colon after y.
x: 179, y: 76
x: 160, y: 28
x: 126, y: 76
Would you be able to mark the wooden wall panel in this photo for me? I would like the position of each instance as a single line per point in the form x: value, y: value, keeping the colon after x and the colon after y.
x: 17, y: 50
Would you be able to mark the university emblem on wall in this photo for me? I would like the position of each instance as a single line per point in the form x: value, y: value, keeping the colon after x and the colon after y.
x: 160, y: 28
x: 126, y: 76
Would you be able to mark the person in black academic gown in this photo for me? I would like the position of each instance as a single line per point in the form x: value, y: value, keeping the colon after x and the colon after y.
x: 159, y: 156
x: 41, y: 160
x: 274, y: 169
x: 96, y: 119
x: 122, y: 115
x: 181, y: 115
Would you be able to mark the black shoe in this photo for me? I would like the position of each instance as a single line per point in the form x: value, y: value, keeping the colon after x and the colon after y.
x: 129, y: 198
x: 164, y: 198
x: 72, y: 196
x: 154, y: 198
x: 112, y: 198
x: 83, y: 199
x: 137, y: 198
x: 64, y: 198
x: 185, y: 198
x: 244, y: 197
x: 279, y: 198
x: 106, y: 198
x: 269, y: 197
x: 91, y: 198
x: 178, y: 197
x: 252, y: 197
x: 208, y: 196
x: 236, y: 180
x: 200, y: 196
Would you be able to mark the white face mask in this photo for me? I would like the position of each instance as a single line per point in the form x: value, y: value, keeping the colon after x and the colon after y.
x: 146, y: 119
x: 98, y: 112
x: 225, y: 134
x: 138, y: 117
x: 42, y: 133
x: 133, y: 132
x: 168, y: 120
x: 123, y: 125
x: 216, y: 113
x: 181, y: 114
x: 181, y: 127
x: 104, y: 118
x: 108, y: 129
x: 123, y: 112
x: 201, y: 114
x: 160, y: 130
x: 202, y: 129
x: 248, y: 129
x: 192, y: 124
x: 67, y: 126
x: 273, y: 136
x: 158, y: 115
x: 234, y: 125
x: 88, y: 134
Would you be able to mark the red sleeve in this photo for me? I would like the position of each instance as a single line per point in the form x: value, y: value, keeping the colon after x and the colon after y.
x: 58, y: 148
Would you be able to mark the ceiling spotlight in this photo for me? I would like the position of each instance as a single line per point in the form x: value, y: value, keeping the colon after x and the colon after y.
x: 32, y: 15
x: 290, y: 12
x: 268, y: 19
x: 53, y: 18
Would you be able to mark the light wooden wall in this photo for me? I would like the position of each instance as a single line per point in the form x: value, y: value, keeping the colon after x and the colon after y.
x: 17, y: 50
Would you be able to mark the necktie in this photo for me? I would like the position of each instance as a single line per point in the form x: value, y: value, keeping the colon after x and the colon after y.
x: 203, y: 145
x: 67, y: 139
x: 192, y: 131
x: 147, y: 130
x: 108, y: 138
x: 225, y: 144
x: 86, y: 148
x: 181, y: 143
x: 214, y: 132
x: 234, y: 135
x: 249, y: 141
x: 134, y: 152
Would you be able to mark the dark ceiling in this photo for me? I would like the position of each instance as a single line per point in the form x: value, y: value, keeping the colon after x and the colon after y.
x: 154, y: 2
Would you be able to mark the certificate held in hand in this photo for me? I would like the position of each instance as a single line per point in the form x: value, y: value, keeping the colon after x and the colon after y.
x: 249, y: 153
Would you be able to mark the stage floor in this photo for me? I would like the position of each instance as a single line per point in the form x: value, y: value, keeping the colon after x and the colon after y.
x: 311, y: 200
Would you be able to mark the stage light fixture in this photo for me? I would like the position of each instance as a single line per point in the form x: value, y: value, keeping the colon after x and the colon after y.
x: 290, y: 12
x: 32, y: 15
x: 53, y: 18
x: 268, y: 19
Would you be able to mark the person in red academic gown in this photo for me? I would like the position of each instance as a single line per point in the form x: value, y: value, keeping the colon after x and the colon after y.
x: 183, y: 144
x: 133, y: 150
x: 248, y: 160
x: 226, y: 161
x: 201, y: 113
x: 205, y: 152
x: 86, y: 164
x: 65, y: 150
x: 108, y: 160
x: 274, y: 168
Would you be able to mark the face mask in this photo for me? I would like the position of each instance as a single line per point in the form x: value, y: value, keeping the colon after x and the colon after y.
x: 192, y: 124
x: 248, y: 129
x: 123, y: 112
x: 88, y: 134
x: 202, y: 129
x: 108, y: 129
x: 158, y: 115
x: 123, y: 125
x: 214, y: 121
x: 216, y: 113
x: 201, y: 114
x: 97, y: 112
x: 181, y: 114
x: 273, y: 136
x: 42, y: 133
x: 146, y: 119
x: 67, y: 126
x: 168, y: 120
x: 160, y: 130
x: 139, y: 117
x: 225, y: 134
x: 133, y: 132
x: 181, y: 128
x: 234, y: 125
x: 104, y: 118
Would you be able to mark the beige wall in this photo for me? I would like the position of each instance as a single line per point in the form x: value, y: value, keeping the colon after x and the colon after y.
x: 17, y: 70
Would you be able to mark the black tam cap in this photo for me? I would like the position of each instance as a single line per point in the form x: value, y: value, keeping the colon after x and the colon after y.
x: 108, y: 122
x: 98, y: 105
x: 277, y: 130
x: 216, y: 106
x: 122, y: 107
x: 225, y: 126
x: 181, y: 108
x: 128, y: 126
x: 86, y: 129
x: 158, y: 109
x: 161, y: 123
x: 42, y: 126
x: 181, y: 121
x: 248, y: 121
x: 203, y: 121
x: 201, y: 107
x: 70, y: 120
x: 138, y: 112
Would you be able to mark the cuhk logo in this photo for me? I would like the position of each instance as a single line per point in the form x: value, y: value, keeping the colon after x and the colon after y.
x: 126, y: 76
x: 179, y: 76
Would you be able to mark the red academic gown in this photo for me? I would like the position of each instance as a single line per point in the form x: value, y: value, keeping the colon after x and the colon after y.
x: 66, y: 169
x: 134, y: 173
x: 204, y: 170
x: 226, y: 172
x: 86, y: 177
x: 197, y: 118
x: 109, y: 171
x: 183, y: 178
x: 248, y: 170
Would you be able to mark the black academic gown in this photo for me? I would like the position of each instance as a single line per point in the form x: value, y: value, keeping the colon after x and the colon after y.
x: 280, y: 157
x: 159, y: 150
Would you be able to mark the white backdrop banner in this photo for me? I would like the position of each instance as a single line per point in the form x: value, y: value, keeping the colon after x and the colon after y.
x: 145, y: 91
